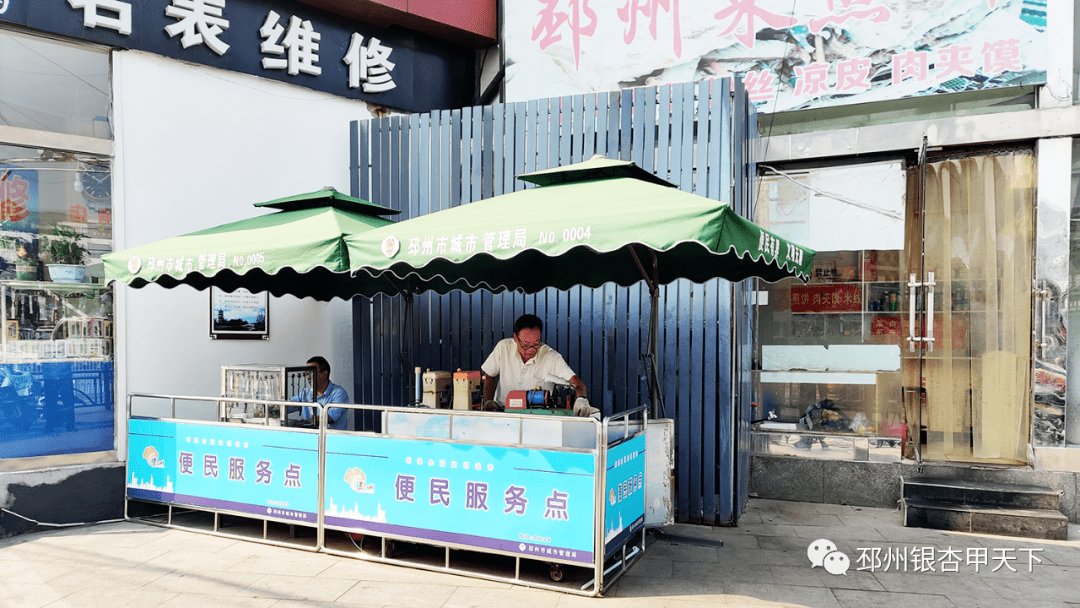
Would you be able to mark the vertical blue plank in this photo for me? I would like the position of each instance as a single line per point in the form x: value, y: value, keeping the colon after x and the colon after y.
x: 389, y: 359
x: 669, y: 378
x: 727, y: 144
x: 610, y: 361
x: 701, y: 176
x: 395, y: 163
x: 488, y: 147
x: 626, y: 117
x: 445, y: 160
x: 522, y: 127
x: 638, y: 154
x: 361, y: 357
x: 477, y: 300
x: 648, y: 159
x: 715, y: 136
x: 460, y: 304
x: 725, y: 414
x: 544, y: 124
x: 589, y: 127
x: 739, y: 148
x: 634, y: 340
x: 557, y: 300
x: 444, y: 331
x: 481, y: 121
x: 579, y: 124
x: 456, y: 117
x: 686, y: 442
x: 675, y: 154
x: 620, y: 328
x: 509, y: 147
x: 385, y: 154
x: 498, y: 150
x: 709, y: 402
x: 520, y: 122
x: 582, y: 298
x: 677, y: 321
x: 636, y: 336
x: 663, y: 122
x: 585, y: 341
x: 354, y: 158
x: 376, y: 159
x: 573, y: 330
x: 530, y: 129
x: 614, y: 116
x: 598, y: 348
x: 687, y: 178
x: 566, y: 130
x: 364, y: 169
x: 361, y: 307
x: 699, y: 359
x: 602, y: 123
x: 558, y: 123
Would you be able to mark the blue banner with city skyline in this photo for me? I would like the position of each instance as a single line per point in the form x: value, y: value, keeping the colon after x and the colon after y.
x: 271, y: 473
x: 530, y: 502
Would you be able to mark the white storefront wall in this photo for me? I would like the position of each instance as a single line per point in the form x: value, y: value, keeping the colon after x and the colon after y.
x: 197, y: 147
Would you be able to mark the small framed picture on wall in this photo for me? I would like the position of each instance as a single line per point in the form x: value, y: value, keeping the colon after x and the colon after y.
x: 239, y: 315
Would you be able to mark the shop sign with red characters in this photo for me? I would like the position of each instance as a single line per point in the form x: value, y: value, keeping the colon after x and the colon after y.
x: 826, y: 298
x: 18, y: 198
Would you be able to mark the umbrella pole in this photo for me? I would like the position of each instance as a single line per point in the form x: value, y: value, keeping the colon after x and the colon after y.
x: 650, y: 356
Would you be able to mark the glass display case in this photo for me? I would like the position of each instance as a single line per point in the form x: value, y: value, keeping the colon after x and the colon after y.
x: 56, y: 368
x: 262, y: 382
x: 828, y: 358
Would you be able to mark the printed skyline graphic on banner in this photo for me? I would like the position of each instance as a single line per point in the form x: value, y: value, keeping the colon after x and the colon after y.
x: 791, y: 55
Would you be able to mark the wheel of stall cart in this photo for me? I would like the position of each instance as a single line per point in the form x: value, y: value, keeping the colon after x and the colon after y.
x: 389, y: 549
x: 556, y: 573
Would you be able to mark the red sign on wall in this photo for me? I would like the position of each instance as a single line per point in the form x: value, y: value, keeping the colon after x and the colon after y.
x: 826, y: 298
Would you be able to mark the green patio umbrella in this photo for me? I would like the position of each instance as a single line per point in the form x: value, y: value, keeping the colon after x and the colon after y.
x: 586, y: 224
x: 298, y: 250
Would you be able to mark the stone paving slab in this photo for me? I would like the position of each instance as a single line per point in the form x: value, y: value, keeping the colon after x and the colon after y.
x: 762, y: 563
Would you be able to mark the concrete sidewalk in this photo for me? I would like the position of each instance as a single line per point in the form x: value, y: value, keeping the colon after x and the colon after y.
x: 763, y: 562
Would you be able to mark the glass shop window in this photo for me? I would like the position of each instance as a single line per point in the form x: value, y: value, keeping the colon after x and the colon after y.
x: 56, y: 315
x: 48, y: 85
x: 828, y: 351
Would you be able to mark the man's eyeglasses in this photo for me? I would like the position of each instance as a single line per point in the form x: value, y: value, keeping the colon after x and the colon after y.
x: 533, y: 346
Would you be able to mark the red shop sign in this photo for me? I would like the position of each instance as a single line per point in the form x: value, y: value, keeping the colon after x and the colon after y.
x: 826, y: 298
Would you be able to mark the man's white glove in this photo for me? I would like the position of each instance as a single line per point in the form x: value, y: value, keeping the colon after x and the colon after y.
x: 583, y: 408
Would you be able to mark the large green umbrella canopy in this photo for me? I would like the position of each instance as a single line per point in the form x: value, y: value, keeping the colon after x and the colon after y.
x: 298, y: 250
x: 586, y: 224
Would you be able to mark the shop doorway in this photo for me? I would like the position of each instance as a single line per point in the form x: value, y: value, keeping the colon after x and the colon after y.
x: 968, y: 308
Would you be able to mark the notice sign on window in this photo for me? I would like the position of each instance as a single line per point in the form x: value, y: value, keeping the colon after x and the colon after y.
x: 826, y: 298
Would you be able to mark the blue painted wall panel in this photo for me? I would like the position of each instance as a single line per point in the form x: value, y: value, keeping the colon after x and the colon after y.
x: 704, y: 331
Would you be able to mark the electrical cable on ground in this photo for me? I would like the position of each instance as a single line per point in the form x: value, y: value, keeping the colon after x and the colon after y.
x: 71, y: 525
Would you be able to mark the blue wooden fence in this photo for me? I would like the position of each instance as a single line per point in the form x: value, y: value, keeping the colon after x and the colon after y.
x: 694, y: 135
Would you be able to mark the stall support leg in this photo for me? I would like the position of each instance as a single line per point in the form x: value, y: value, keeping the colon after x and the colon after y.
x: 448, y: 557
x: 216, y: 521
x: 266, y: 525
x: 517, y: 568
x: 169, y: 517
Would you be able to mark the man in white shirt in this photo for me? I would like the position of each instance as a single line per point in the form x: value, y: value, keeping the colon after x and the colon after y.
x: 524, y: 362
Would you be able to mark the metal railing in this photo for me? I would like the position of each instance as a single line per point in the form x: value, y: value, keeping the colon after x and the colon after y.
x: 522, y: 431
